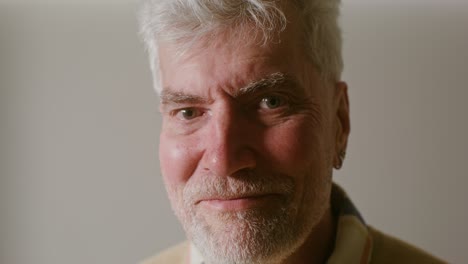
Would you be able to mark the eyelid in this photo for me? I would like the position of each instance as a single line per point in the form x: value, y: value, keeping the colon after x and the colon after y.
x: 172, y: 108
x: 286, y: 97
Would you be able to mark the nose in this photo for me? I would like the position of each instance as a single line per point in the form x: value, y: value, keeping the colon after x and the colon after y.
x: 230, y: 143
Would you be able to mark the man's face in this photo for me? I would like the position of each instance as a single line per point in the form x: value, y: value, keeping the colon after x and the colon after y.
x: 247, y: 145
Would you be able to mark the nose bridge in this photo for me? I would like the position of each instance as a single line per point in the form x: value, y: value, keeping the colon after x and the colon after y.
x: 229, y: 148
x: 226, y: 124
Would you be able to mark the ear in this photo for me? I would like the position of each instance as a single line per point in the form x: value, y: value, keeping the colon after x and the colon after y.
x: 342, y: 123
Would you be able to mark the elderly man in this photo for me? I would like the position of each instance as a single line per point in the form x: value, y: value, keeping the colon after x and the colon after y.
x: 255, y: 118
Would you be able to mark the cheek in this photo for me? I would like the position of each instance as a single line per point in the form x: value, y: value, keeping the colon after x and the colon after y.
x: 178, y: 160
x: 294, y: 145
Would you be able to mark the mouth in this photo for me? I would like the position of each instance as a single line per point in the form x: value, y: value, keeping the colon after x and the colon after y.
x: 239, y: 203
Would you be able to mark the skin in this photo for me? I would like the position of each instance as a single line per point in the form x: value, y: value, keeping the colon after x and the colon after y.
x: 229, y: 131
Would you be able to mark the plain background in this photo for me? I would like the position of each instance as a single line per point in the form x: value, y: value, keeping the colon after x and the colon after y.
x: 79, y: 177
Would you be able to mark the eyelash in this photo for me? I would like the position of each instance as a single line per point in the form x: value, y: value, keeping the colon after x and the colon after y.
x: 281, y: 101
x: 178, y: 113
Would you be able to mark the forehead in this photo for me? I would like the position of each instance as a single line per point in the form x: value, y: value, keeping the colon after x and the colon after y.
x: 227, y: 61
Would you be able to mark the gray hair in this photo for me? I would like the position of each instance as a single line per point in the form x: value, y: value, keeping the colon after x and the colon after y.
x: 191, y: 20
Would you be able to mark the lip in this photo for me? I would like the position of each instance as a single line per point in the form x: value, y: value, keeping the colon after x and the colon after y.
x: 238, y: 203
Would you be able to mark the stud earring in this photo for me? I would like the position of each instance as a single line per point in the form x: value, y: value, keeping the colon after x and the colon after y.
x: 341, y: 157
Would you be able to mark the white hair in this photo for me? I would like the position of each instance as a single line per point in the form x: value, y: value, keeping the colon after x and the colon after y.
x: 191, y: 20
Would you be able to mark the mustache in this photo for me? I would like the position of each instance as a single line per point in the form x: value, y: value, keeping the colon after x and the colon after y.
x: 248, y: 184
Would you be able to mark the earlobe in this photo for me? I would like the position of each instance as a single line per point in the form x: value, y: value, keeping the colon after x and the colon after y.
x: 342, y: 122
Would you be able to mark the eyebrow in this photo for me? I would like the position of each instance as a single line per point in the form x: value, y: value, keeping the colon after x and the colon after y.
x: 168, y: 96
x: 271, y: 81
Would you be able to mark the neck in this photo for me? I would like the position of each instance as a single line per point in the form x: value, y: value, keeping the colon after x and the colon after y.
x: 320, y: 243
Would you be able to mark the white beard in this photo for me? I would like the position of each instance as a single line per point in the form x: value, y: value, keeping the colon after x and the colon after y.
x: 251, y: 236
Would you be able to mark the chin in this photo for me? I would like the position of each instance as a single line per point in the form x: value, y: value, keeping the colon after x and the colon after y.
x: 251, y: 236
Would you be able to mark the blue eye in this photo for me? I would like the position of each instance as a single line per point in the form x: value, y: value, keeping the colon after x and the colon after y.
x: 271, y: 102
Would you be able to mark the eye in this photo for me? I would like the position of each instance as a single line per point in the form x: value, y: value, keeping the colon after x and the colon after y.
x: 188, y: 113
x: 272, y: 102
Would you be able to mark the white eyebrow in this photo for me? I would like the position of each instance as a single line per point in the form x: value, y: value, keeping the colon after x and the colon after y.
x: 168, y: 96
x: 272, y: 80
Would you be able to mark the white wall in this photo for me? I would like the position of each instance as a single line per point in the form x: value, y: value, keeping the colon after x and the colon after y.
x: 80, y: 183
x: 79, y: 180
x: 406, y: 65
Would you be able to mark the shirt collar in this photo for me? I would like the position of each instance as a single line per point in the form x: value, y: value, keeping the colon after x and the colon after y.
x: 353, y: 242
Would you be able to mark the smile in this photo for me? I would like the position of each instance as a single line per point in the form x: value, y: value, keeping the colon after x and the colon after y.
x: 239, y: 203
